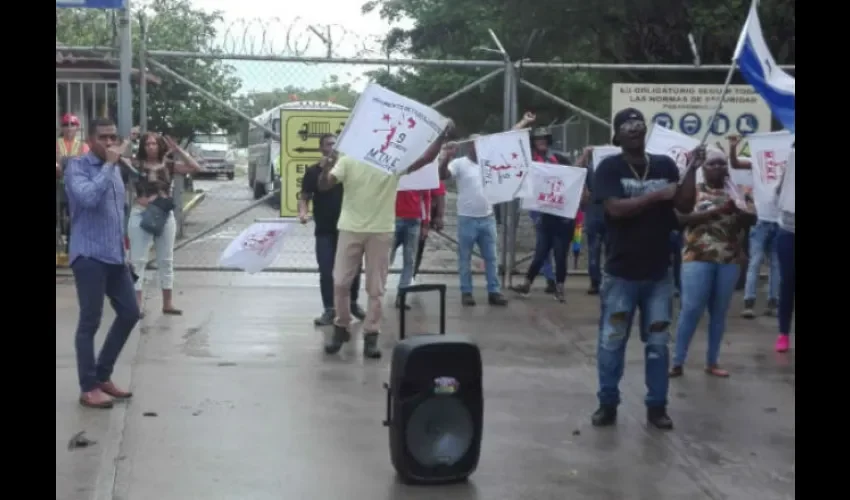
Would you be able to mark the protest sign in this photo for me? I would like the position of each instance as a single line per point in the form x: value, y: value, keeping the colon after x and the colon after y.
x: 256, y: 247
x: 770, y: 153
x: 504, y: 160
x: 424, y: 179
x: 389, y: 131
x: 676, y: 145
x: 555, y: 189
x: 602, y: 152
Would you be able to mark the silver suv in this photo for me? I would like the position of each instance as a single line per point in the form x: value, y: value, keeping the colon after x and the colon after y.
x: 214, y: 154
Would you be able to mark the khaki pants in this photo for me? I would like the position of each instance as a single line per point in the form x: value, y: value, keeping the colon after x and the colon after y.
x: 350, y: 249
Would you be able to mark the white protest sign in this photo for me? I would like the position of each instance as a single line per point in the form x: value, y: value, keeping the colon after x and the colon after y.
x: 504, y: 160
x: 689, y: 108
x: 389, y: 131
x: 769, y: 155
x: 663, y: 141
x: 424, y: 179
x: 555, y: 189
x: 602, y: 152
x: 256, y: 247
x: 787, y: 196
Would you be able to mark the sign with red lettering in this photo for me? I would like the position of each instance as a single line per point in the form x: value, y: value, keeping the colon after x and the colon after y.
x: 770, y: 156
x: 504, y: 160
x: 555, y: 189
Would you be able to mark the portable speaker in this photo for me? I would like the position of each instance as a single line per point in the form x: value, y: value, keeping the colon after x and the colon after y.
x: 435, y: 406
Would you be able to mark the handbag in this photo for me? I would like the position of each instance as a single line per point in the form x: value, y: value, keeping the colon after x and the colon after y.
x: 155, y: 216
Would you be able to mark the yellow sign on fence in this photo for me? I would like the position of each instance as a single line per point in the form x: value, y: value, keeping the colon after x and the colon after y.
x: 300, y: 148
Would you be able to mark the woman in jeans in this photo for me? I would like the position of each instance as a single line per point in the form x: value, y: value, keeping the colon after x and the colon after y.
x: 711, y: 259
x: 785, y: 243
x: 157, y: 167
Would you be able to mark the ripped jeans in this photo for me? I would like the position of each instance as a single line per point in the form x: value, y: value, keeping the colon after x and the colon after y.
x: 620, y: 300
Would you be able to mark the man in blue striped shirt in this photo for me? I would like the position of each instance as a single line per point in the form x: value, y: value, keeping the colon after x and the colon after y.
x: 96, y: 205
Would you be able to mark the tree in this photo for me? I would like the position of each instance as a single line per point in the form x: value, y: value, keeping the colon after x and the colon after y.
x: 609, y: 31
x: 255, y: 103
x: 173, y: 107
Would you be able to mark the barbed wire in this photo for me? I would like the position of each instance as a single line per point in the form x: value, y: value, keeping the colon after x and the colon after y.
x: 248, y: 36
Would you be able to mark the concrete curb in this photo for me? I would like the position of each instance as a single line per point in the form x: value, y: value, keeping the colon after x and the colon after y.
x: 191, y: 204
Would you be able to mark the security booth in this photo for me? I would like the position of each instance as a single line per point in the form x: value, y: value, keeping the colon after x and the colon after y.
x: 87, y: 88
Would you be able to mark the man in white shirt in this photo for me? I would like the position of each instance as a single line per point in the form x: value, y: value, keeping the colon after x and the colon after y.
x: 475, y: 223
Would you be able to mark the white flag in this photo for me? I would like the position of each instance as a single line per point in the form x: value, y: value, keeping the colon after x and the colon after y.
x: 389, y: 131
x: 602, y: 152
x: 663, y: 141
x: 555, y: 189
x: 424, y: 179
x: 256, y: 247
x: 504, y: 160
x: 769, y: 155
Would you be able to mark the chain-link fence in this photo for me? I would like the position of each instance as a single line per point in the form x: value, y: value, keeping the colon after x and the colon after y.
x: 277, y: 106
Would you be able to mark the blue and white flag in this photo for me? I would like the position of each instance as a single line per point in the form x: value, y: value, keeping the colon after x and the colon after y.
x: 759, y: 68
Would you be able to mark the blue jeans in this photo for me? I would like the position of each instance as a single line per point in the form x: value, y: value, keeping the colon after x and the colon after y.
x: 785, y: 242
x: 704, y: 285
x: 595, y: 236
x: 95, y: 281
x: 407, y: 237
x: 540, y: 241
x: 554, y: 235
x: 479, y: 231
x: 676, y: 244
x: 325, y: 257
x: 763, y: 242
x: 620, y: 299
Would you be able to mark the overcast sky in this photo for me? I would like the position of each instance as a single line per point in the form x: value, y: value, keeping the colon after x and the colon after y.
x: 252, y: 20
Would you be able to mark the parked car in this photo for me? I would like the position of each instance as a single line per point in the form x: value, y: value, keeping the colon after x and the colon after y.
x: 213, y: 154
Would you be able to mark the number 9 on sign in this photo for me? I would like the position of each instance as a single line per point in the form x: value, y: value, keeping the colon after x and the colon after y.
x: 401, y: 138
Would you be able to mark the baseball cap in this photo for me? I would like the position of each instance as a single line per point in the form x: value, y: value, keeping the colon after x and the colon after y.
x: 622, y: 117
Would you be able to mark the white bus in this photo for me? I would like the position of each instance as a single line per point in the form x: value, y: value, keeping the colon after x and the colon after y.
x: 264, y: 151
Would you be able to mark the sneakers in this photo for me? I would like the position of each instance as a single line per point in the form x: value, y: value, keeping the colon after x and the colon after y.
x: 522, y: 289
x: 749, y: 312
x: 772, y: 306
x: 370, y: 346
x: 657, y: 416
x: 467, y: 300
x: 550, y: 286
x: 559, y: 294
x: 326, y: 319
x: 340, y: 336
x: 783, y: 343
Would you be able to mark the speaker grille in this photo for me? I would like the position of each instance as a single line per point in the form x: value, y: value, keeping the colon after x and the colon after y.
x: 440, y: 432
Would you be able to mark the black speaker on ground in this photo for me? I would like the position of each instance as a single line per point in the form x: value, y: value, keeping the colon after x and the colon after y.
x: 435, y: 406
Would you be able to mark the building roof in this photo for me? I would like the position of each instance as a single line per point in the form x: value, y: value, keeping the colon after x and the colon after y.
x: 90, y: 62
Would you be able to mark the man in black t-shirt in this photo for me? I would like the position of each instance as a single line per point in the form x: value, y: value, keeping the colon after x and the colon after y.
x: 639, y: 193
x: 327, y: 206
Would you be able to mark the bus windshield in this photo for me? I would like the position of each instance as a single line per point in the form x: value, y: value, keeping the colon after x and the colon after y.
x: 210, y: 139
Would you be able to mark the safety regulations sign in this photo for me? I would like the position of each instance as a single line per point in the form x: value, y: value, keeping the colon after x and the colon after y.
x: 302, y: 130
x: 688, y: 108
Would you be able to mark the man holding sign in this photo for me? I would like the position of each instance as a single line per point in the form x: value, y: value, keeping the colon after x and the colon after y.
x: 640, y: 193
x: 366, y: 227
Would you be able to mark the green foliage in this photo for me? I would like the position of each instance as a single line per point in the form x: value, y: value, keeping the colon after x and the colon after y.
x: 332, y: 90
x: 175, y: 25
x: 605, y: 31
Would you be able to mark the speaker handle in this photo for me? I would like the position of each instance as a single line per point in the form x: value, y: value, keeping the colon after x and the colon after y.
x: 402, y: 293
x: 388, y: 420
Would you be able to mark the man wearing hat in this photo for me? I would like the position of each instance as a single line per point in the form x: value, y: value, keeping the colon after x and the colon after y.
x: 640, y: 194
x: 541, y: 142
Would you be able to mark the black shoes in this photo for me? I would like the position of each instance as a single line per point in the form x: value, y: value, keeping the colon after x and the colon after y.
x: 398, y: 304
x: 559, y: 294
x: 656, y: 416
x: 496, y: 299
x: 550, y: 287
x: 467, y: 300
x: 605, y: 416
x: 370, y: 346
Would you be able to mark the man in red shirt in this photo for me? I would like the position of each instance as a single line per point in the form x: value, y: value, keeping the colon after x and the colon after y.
x: 412, y: 216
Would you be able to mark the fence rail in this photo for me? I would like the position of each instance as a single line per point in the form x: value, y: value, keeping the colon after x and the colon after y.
x: 217, y: 210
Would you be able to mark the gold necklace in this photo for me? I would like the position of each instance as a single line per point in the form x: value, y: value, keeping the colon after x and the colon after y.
x: 634, y: 171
